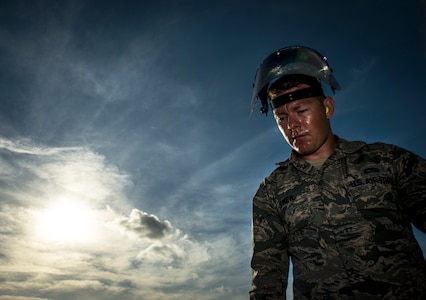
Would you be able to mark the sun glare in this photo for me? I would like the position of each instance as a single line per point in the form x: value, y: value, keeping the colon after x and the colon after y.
x: 66, y: 220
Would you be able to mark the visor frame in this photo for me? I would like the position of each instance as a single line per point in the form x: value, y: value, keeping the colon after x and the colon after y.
x: 287, y: 61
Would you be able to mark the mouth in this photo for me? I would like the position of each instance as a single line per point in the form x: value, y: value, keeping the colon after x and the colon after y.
x: 299, y: 135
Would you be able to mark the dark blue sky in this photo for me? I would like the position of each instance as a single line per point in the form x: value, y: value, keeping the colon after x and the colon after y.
x: 128, y: 161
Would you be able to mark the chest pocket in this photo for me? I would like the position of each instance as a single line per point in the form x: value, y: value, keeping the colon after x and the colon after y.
x: 374, y: 191
x: 373, y: 188
x: 300, y: 206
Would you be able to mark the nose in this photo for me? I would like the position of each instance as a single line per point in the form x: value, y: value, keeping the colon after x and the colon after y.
x: 292, y: 122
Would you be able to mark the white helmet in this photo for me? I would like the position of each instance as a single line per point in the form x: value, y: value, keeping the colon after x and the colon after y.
x: 288, y: 61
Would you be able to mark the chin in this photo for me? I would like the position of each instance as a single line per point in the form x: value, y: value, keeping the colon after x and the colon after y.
x: 303, y: 151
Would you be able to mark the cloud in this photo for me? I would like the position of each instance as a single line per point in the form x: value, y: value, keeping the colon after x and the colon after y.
x: 67, y: 228
x: 146, y: 225
x: 9, y: 297
x: 164, y: 254
x: 46, y: 174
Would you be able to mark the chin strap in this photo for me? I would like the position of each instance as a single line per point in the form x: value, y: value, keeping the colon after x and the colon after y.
x: 296, y: 95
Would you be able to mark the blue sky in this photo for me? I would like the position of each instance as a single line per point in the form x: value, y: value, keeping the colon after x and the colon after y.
x: 128, y: 161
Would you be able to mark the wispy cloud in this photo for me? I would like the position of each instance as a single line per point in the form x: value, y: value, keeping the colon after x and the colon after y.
x: 121, y: 252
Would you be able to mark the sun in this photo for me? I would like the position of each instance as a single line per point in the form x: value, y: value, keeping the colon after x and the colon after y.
x: 66, y: 220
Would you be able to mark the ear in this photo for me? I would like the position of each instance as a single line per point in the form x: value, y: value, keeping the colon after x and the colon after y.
x: 329, y: 106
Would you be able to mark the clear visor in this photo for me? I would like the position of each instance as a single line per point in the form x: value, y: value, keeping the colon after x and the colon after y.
x: 286, y: 61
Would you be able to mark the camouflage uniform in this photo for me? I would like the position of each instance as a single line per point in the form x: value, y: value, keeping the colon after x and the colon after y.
x: 346, y: 226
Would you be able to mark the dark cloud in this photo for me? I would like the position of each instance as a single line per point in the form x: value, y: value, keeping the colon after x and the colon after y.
x: 146, y: 225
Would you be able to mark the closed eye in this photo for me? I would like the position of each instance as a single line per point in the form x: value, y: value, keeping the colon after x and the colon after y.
x: 281, y: 118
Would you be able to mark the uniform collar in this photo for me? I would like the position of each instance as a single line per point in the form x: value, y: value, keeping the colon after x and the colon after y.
x: 343, y: 147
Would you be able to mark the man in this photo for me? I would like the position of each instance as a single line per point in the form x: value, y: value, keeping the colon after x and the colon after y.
x: 342, y: 211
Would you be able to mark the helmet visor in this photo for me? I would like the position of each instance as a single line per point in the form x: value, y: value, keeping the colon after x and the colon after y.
x: 286, y: 61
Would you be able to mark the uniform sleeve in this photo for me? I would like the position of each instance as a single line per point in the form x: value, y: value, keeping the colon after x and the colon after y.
x: 411, y: 181
x: 270, y: 260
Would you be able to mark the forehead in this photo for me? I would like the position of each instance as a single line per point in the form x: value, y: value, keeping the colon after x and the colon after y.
x: 295, y: 105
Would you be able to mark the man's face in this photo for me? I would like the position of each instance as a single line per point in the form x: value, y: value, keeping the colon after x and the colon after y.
x: 305, y: 125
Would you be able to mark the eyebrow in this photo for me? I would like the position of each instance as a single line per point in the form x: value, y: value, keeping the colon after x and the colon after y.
x: 277, y: 112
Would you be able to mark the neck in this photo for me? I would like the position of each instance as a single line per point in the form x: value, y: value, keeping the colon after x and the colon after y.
x: 324, y: 151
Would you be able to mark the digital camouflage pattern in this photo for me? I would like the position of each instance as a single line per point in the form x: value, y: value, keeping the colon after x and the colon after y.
x: 346, y: 226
